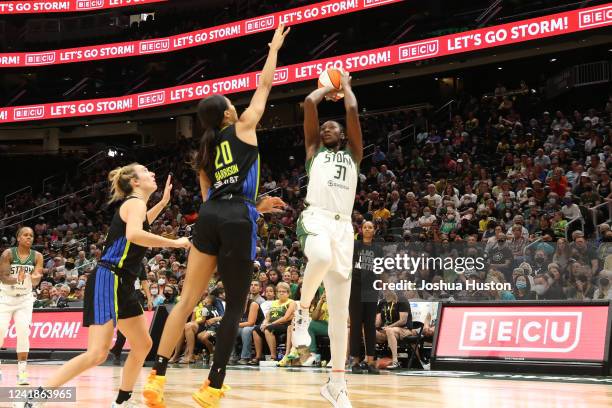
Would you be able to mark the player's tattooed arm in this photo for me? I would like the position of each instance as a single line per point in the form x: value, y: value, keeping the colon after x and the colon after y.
x: 5, y: 268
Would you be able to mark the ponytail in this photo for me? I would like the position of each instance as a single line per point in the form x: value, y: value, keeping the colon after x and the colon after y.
x: 211, y: 112
x: 204, y: 157
x: 120, y: 182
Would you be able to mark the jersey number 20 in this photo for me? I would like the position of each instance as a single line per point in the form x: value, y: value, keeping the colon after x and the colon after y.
x: 225, y: 151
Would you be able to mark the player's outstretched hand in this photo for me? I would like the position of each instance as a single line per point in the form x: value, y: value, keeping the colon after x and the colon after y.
x: 167, y: 190
x: 271, y: 205
x: 182, y: 243
x: 279, y: 37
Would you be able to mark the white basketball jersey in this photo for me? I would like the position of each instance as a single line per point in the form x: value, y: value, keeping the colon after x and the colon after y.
x: 18, y: 267
x: 332, y: 181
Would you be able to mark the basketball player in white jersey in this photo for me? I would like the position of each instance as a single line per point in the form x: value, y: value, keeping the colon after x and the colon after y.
x: 20, y: 271
x: 324, y: 227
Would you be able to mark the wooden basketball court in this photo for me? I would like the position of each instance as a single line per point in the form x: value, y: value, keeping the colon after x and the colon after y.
x: 282, y: 388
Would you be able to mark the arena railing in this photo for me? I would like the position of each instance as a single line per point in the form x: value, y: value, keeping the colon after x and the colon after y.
x: 530, y: 245
x: 91, y: 161
x: 448, y: 105
x: 572, y: 221
x: 39, y: 210
x: 46, y: 208
x: 14, y: 194
x: 595, y: 210
x: 46, y: 183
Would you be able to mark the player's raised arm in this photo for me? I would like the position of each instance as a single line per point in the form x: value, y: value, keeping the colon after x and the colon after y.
x: 353, y: 127
x: 311, y: 120
x: 252, y: 115
x: 154, y: 212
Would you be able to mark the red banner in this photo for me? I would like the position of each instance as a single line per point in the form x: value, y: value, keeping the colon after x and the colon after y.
x: 495, y: 36
x: 523, y: 332
x: 211, y: 35
x: 66, y: 6
x: 58, y: 331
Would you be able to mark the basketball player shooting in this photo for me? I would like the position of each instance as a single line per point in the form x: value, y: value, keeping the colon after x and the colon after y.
x: 20, y: 271
x: 324, y: 227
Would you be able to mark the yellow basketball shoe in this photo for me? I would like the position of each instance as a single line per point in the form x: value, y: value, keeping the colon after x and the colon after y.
x: 153, y: 393
x: 209, y: 397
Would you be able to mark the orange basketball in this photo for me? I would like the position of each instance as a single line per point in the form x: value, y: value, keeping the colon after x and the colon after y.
x: 384, y: 362
x: 331, y: 77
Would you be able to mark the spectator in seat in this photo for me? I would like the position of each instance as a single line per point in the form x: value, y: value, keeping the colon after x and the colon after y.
x: 251, y: 317
x: 582, y: 289
x: 558, y: 182
x: 427, y: 220
x: 273, y: 277
x: 255, y: 292
x: 585, y: 253
x: 151, y: 276
x: 191, y: 329
x: 264, y: 280
x: 318, y: 327
x: 522, y: 287
x: 269, y: 296
x: 541, y: 287
x: 71, y: 271
x: 412, y: 220
x: 82, y: 263
x: 570, y: 210
x: 562, y: 254
x: 44, y: 299
x: 64, y: 293
x: 583, y: 185
x: 495, y: 276
x: 559, y: 224
x: 517, y: 243
x: 380, y: 211
x: 603, y: 290
x: 208, y: 330
x: 500, y: 256
x: 287, y: 278
x: 276, y: 322
x: 604, y: 187
x: 555, y: 280
x: 158, y: 298
x: 540, y: 262
x: 378, y: 156
x: 393, y: 322
x: 54, y: 296
x: 434, y: 200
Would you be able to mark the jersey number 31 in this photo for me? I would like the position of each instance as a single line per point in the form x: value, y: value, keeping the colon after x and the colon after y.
x: 341, y: 174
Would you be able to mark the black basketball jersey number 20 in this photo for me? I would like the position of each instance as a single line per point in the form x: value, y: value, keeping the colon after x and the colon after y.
x: 224, y: 150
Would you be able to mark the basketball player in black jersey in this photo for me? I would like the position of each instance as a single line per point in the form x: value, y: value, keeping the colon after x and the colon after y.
x: 110, y: 294
x: 226, y: 231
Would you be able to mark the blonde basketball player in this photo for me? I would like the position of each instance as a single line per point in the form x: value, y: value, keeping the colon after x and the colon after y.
x: 325, y: 229
x: 20, y: 271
